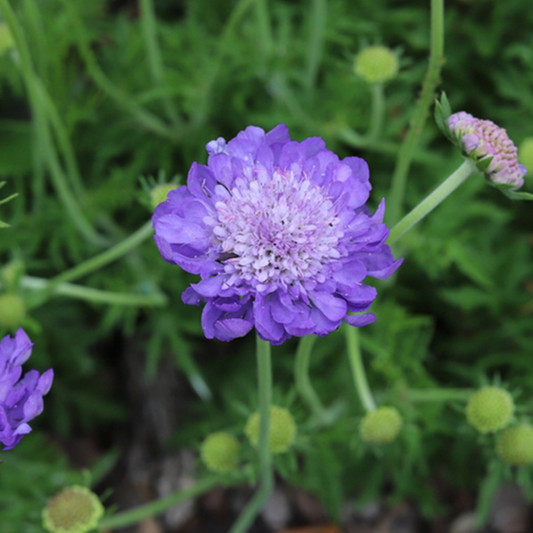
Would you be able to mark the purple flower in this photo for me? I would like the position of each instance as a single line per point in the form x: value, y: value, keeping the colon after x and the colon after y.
x: 21, y: 400
x: 482, y: 139
x: 280, y: 235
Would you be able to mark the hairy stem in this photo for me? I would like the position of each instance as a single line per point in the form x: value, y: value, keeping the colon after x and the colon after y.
x: 405, y: 156
x: 358, y: 369
x: 433, y: 200
x: 303, y: 382
x: 264, y: 371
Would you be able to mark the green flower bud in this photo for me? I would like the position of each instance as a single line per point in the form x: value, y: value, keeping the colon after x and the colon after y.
x: 283, y: 429
x: 219, y: 451
x: 160, y: 193
x: 490, y: 409
x: 514, y: 445
x: 525, y: 153
x: 74, y: 510
x: 376, y: 64
x: 12, y: 310
x: 381, y: 426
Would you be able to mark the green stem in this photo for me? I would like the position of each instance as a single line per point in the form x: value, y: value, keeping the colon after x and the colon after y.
x: 303, y: 382
x: 317, y: 27
x: 63, y: 139
x: 378, y: 111
x: 438, y: 395
x: 264, y: 27
x: 146, y: 119
x: 264, y: 371
x: 100, y: 260
x: 46, y: 145
x: 96, y: 295
x: 155, y: 62
x: 154, y: 508
x: 358, y: 369
x: 433, y: 200
x: 403, y: 163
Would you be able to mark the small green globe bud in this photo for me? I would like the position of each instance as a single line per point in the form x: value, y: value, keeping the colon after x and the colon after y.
x: 490, y: 409
x: 525, y: 153
x: 219, y: 451
x: 12, y: 310
x: 376, y: 64
x: 514, y: 445
x: 283, y: 429
x: 381, y: 426
x: 160, y: 193
x: 74, y: 510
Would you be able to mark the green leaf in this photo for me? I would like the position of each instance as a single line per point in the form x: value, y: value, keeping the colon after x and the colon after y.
x: 518, y: 195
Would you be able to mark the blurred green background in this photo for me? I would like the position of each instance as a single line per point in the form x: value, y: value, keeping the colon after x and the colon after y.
x: 104, y: 92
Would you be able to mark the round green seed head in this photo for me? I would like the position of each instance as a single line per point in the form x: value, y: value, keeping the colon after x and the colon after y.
x: 376, y: 64
x: 283, y: 429
x: 514, y: 445
x: 525, y: 153
x: 381, y: 426
x: 160, y: 192
x: 219, y: 451
x: 74, y: 510
x: 12, y: 310
x: 490, y: 409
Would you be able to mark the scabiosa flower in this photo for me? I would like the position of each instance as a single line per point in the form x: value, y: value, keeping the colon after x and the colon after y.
x: 280, y: 235
x: 482, y: 140
x: 21, y: 400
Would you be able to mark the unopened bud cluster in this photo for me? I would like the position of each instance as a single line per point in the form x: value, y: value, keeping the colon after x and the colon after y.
x: 74, y: 510
x: 485, y: 142
x: 12, y: 310
x: 514, y: 445
x: 220, y: 451
x: 282, y: 432
x: 376, y: 64
x: 381, y: 426
x: 490, y: 409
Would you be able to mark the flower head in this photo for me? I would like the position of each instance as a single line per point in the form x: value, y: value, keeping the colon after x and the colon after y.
x: 283, y: 429
x: 376, y: 64
x: 12, y: 310
x: 482, y: 140
x: 220, y: 451
x: 74, y: 510
x: 514, y: 445
x: 381, y: 426
x: 21, y: 400
x: 280, y: 235
x: 490, y: 409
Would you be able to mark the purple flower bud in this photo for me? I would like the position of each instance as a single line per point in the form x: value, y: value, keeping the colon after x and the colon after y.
x: 481, y: 139
x: 279, y: 232
x: 21, y: 400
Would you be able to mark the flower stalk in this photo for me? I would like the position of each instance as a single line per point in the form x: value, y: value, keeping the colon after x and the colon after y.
x: 405, y: 156
x: 358, y: 369
x: 433, y: 200
x: 264, y: 373
x: 303, y: 382
x: 142, y: 512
